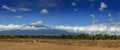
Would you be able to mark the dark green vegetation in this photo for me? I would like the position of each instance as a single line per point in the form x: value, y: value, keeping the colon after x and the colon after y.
x: 80, y: 36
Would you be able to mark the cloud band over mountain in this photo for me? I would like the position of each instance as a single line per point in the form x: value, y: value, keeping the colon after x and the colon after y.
x: 104, y: 28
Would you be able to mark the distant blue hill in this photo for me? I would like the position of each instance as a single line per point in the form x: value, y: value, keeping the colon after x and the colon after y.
x: 35, y: 32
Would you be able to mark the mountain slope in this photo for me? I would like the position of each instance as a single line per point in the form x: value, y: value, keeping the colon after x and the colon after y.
x: 112, y: 28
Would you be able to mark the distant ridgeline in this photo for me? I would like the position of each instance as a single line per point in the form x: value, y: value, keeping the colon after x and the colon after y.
x: 70, y: 36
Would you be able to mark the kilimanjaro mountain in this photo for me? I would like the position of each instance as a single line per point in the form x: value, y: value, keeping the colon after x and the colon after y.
x: 112, y: 28
x: 45, y: 30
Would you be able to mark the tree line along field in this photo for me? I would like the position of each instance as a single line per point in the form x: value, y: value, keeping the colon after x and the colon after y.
x: 70, y: 36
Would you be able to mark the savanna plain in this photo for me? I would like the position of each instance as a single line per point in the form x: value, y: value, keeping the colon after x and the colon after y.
x: 58, y: 44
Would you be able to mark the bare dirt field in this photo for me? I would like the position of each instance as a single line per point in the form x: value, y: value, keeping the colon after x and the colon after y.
x: 53, y: 44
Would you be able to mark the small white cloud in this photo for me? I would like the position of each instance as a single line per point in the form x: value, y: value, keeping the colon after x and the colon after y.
x: 75, y: 9
x: 94, y: 21
x: 18, y: 17
x: 5, y: 7
x: 110, y: 17
x: 102, y: 6
x: 44, y: 11
x: 23, y: 9
x: 37, y: 23
x: 13, y: 9
x: 8, y: 8
x: 109, y: 14
x: 92, y: 15
x: 74, y: 4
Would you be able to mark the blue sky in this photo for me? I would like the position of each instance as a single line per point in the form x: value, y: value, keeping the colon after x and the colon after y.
x: 59, y: 12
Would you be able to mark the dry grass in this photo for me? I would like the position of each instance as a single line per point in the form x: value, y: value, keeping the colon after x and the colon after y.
x: 88, y: 43
x: 58, y: 44
x: 67, y: 42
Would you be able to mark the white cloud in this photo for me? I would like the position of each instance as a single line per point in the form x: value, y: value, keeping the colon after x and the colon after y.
x: 109, y: 14
x: 44, y: 11
x: 23, y: 9
x: 20, y: 27
x: 16, y: 27
x: 94, y: 21
x: 102, y: 6
x: 110, y: 17
x: 37, y: 23
x: 93, y: 29
x: 74, y: 4
x: 5, y: 7
x: 8, y: 8
x: 18, y: 17
x: 75, y: 9
x: 90, y: 29
x: 14, y: 9
x: 93, y: 16
x: 77, y: 29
